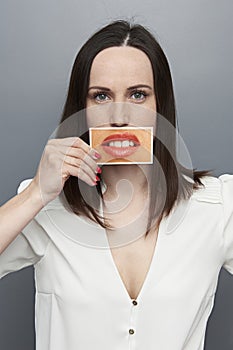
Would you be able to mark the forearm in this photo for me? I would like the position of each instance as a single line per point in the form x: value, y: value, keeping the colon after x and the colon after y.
x: 16, y: 213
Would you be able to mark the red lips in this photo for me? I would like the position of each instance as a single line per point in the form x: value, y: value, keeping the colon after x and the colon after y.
x: 120, y: 152
x: 121, y: 137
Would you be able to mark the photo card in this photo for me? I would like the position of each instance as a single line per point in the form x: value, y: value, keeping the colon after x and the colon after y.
x: 123, y: 145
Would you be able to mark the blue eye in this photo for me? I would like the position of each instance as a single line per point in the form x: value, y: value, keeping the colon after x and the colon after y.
x: 100, y: 96
x: 139, y: 95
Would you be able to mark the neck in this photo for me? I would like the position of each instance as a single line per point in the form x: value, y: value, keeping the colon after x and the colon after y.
x: 125, y: 180
x: 126, y: 199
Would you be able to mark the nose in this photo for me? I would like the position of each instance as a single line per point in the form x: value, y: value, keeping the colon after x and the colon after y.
x: 113, y: 125
x: 119, y: 114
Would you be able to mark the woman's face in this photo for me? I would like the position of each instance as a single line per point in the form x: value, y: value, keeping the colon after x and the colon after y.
x: 121, y: 84
x: 121, y: 74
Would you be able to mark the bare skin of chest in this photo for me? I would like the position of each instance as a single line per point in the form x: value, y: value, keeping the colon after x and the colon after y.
x: 133, y: 258
x: 133, y: 262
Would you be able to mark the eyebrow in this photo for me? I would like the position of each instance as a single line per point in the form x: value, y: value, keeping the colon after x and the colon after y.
x: 129, y: 88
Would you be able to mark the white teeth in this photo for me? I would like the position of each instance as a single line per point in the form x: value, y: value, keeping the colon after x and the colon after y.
x: 125, y: 143
x: 117, y: 143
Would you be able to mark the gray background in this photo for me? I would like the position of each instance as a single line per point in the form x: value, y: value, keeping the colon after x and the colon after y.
x: 39, y: 40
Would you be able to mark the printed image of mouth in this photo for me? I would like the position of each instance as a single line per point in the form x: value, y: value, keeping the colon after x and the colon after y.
x: 121, y: 145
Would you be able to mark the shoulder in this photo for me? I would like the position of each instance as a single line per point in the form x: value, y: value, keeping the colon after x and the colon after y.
x: 226, y: 181
x: 226, y: 178
x: 23, y: 184
x: 215, y: 189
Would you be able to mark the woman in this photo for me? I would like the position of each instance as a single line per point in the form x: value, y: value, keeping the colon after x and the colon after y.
x: 153, y: 287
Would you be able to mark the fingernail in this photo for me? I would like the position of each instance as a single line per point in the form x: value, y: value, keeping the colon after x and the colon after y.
x: 97, y: 178
x: 98, y: 170
x: 96, y: 155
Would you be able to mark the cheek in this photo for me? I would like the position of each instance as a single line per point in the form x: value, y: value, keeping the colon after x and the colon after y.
x: 89, y: 121
x: 97, y: 116
x: 152, y: 103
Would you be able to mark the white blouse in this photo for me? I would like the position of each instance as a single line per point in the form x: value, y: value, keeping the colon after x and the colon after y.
x: 81, y: 300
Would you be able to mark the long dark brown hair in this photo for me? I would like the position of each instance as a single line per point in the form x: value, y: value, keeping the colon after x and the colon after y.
x: 177, y: 177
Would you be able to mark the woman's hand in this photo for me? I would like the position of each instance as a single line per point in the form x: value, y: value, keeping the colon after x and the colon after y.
x: 61, y: 159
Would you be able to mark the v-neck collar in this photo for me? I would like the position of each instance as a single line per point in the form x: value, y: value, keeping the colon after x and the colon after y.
x: 154, y: 264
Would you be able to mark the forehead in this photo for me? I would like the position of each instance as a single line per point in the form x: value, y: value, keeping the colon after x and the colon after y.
x: 121, y: 63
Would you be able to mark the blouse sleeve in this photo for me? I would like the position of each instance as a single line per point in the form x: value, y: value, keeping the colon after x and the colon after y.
x: 27, y: 248
x: 227, y: 195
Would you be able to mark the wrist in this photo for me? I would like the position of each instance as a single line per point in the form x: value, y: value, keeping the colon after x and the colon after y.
x: 34, y: 194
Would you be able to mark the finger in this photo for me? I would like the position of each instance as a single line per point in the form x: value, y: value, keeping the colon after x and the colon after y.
x: 82, y: 165
x: 75, y: 142
x: 78, y: 172
x: 86, y: 158
x: 79, y: 143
